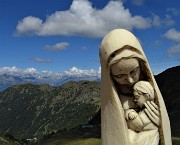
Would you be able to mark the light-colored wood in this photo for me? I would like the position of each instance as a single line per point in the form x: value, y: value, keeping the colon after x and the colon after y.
x: 118, y: 51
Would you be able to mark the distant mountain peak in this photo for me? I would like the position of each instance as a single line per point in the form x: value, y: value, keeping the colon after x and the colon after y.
x: 9, y: 79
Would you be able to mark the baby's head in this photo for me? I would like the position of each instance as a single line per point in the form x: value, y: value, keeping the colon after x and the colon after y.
x: 143, y: 92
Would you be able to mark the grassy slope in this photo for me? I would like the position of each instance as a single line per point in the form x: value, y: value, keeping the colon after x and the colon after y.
x: 29, y: 110
x: 77, y: 141
x: 80, y: 137
x: 73, y: 137
x: 85, y: 141
x: 175, y: 140
x: 73, y: 141
x: 6, y: 141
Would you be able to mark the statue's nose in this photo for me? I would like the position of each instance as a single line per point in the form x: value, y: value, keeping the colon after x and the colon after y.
x: 130, y: 79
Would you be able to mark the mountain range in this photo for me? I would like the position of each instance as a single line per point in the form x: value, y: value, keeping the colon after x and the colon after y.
x: 33, y: 110
x: 13, y: 76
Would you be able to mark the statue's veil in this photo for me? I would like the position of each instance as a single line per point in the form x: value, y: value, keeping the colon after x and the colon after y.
x: 118, y: 44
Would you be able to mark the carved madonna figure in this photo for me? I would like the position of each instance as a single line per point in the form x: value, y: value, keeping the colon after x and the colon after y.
x: 132, y: 111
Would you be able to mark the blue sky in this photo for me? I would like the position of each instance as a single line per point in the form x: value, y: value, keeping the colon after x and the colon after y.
x: 61, y: 35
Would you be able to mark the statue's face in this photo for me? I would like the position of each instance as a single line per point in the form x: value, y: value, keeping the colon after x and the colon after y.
x: 126, y: 71
x: 140, y: 98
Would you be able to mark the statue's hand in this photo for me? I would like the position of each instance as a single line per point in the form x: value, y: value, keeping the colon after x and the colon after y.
x: 132, y: 115
x: 152, y: 112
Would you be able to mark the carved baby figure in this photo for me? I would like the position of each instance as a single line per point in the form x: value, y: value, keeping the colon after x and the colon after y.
x: 140, y: 120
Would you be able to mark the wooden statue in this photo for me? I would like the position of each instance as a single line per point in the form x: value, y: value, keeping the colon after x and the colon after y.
x: 132, y: 111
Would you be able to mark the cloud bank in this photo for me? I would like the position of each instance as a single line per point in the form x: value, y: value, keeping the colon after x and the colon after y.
x: 16, y: 71
x: 173, y: 35
x: 74, y: 71
x: 174, y: 50
x: 84, y: 20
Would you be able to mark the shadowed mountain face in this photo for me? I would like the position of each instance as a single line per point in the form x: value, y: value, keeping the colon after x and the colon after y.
x: 169, y: 85
x: 29, y: 111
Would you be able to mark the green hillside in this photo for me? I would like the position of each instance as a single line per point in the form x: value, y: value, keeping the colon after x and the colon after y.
x: 176, y: 140
x: 73, y: 137
x: 78, y: 141
x: 29, y: 111
x: 4, y: 140
x: 85, y: 141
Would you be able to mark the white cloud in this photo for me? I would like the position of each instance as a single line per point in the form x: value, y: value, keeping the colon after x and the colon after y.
x: 47, y: 76
x: 99, y: 71
x: 173, y: 35
x: 30, y: 70
x: 17, y: 71
x: 29, y: 25
x: 157, y: 42
x: 47, y: 72
x: 158, y: 22
x: 84, y: 20
x: 174, y: 11
x: 57, y: 47
x: 173, y: 50
x: 84, y: 48
x: 13, y: 75
x: 37, y: 59
x: 74, y: 71
x: 168, y: 21
x: 9, y: 70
